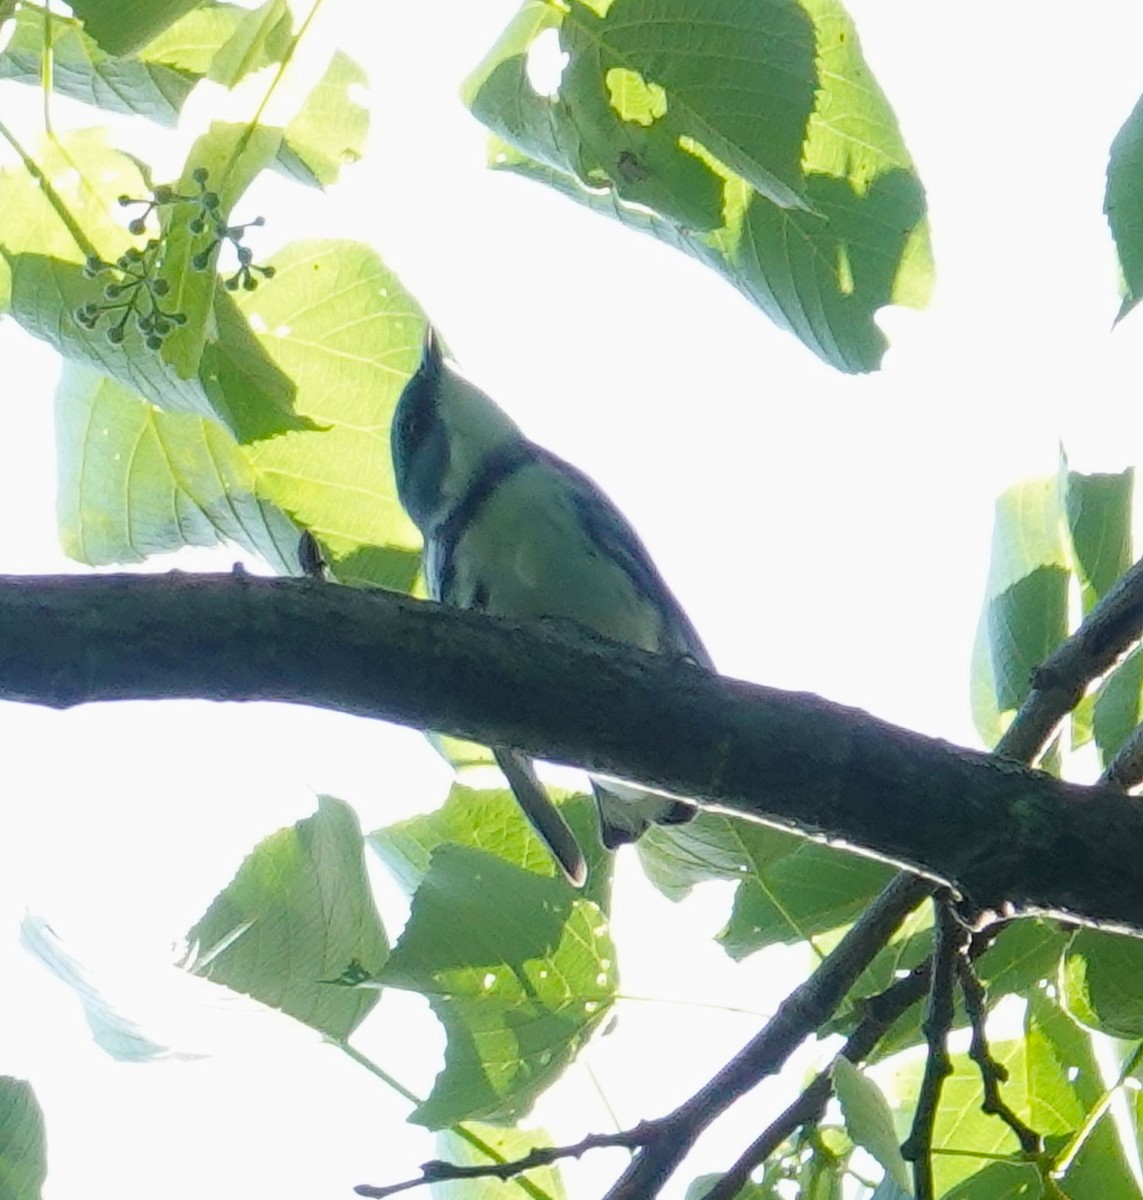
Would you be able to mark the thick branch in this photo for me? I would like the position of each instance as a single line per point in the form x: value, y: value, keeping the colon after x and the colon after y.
x: 996, y: 830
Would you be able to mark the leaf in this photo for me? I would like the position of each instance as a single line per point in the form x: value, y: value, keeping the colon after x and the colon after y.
x: 789, y: 888
x: 232, y: 156
x: 806, y: 889
x: 83, y: 71
x: 114, y: 1030
x: 121, y: 26
x: 856, y: 239
x: 87, y: 176
x: 1025, y: 953
x: 490, y: 819
x: 1118, y: 706
x: 330, y: 129
x: 1053, y: 1083
x: 45, y: 295
x: 297, y: 928
x: 23, y: 1151
x: 260, y: 38
x: 510, y: 1145
x: 1025, y: 609
x: 1098, y: 511
x: 1123, y: 204
x: 1000, y: 1181
x: 190, y: 44
x: 340, y: 326
x: 868, y: 1120
x: 518, y: 969
x: 1101, y: 982
x: 135, y: 481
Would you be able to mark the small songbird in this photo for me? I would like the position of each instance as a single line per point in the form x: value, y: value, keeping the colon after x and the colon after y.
x: 511, y: 529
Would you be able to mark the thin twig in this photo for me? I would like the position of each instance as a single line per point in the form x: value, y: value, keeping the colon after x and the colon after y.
x: 1126, y: 767
x: 438, y: 1171
x: 951, y: 937
x: 806, y: 1008
x: 992, y: 1073
x: 1059, y: 683
x: 881, y: 1012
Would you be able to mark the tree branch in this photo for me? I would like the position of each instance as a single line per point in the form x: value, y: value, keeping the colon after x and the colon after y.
x: 807, y: 1007
x: 998, y: 832
x: 1058, y: 684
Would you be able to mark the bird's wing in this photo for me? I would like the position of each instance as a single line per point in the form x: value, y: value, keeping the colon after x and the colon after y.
x: 610, y: 530
x: 543, y: 815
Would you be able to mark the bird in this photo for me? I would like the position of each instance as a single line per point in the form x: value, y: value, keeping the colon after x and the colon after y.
x: 511, y: 529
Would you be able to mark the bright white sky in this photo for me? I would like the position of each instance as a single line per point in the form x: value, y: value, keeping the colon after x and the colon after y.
x: 826, y: 533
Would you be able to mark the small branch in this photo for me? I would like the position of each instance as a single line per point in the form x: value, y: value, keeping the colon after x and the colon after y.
x: 438, y: 1171
x: 951, y: 937
x: 992, y: 1073
x: 1059, y: 683
x: 1125, y: 770
x: 881, y: 1012
x: 806, y: 1008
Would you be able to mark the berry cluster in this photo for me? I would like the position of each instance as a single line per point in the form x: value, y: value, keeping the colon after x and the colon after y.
x: 137, y: 288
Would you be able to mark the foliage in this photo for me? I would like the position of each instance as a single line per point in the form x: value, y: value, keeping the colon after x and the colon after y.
x: 209, y: 394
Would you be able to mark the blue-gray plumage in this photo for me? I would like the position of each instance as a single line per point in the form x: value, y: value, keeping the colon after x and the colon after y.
x: 514, y: 530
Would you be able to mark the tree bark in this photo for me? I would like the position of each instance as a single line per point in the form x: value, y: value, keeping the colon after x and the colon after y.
x: 1001, y: 834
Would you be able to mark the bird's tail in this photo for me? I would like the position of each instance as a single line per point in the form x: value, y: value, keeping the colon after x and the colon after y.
x: 626, y: 811
x: 543, y: 815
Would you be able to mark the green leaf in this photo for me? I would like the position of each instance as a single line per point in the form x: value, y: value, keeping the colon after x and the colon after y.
x: 510, y: 1145
x: 518, y: 969
x: 45, y: 295
x: 1101, y: 980
x: 1053, y: 1083
x: 81, y: 70
x: 1098, y: 511
x: 489, y: 819
x: 1123, y: 204
x: 1000, y: 1181
x: 964, y: 1137
x: 330, y: 129
x: 1025, y: 610
x: 1100, y: 1170
x: 1025, y: 953
x: 135, y: 481
x: 338, y: 323
x: 87, y: 176
x: 1118, y: 706
x: 297, y: 928
x: 868, y: 1120
x: 804, y: 890
x: 789, y: 888
x: 233, y: 156
x: 121, y: 26
x: 260, y: 38
x: 23, y: 1151
x: 190, y: 44
x: 708, y: 847
x: 695, y: 178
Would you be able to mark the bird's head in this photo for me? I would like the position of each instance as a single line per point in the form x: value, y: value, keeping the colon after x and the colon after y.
x: 444, y: 428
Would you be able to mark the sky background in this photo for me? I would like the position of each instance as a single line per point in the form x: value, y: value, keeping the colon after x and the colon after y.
x: 826, y: 533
